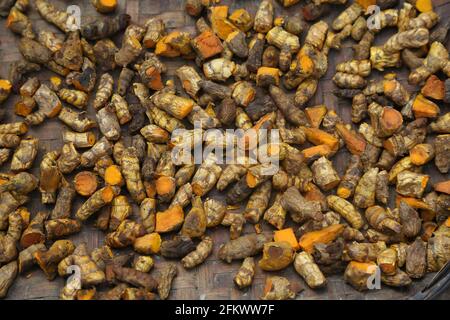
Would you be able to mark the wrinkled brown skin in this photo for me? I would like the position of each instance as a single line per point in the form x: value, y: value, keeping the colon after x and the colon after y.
x: 199, y: 255
x: 58, y: 228
x: 363, y: 252
x: 8, y: 241
x: 133, y: 277
x: 25, y: 154
x: 104, y: 51
x: 17, y: 71
x: 243, y: 247
x: 416, y: 259
x: 103, y: 28
x: 329, y: 256
x: 177, y: 247
x: 194, y: 225
x: 8, y: 273
x: 258, y: 202
x: 300, y: 209
x: 7, y: 205
x: 125, y: 234
x: 226, y: 111
x: 411, y: 222
x: 71, y: 53
x: 442, y: 149
x: 399, y: 279
x: 239, y: 191
x: 166, y: 276
x: 132, y: 174
x: 34, y: 52
x: 63, y: 205
x: 287, y: 107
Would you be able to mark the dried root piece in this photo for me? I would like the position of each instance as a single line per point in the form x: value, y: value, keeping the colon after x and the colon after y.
x: 49, y: 260
x: 416, y: 259
x: 108, y: 123
x: 437, y: 252
x: 276, y: 256
x: 414, y: 38
x: 379, y: 219
x: 194, y: 225
x: 411, y: 184
x: 243, y: 247
x: 99, y: 199
x: 442, y: 124
x: 178, y: 247
x: 53, y: 15
x: 104, y: 91
x: 324, y: 174
x: 19, y: 184
x: 258, y: 202
x: 58, y: 228
x: 346, y: 210
x: 356, y: 67
x: 104, y: 6
x: 276, y: 214
x: 215, y: 211
x: 278, y: 288
x: 347, y: 17
x: 300, y: 208
x: 26, y: 257
x: 365, y: 190
x: 206, y: 176
x: 77, y: 121
x: 442, y: 149
x: 351, y: 177
x: 105, y: 27
x: 64, y: 200
x: 411, y: 222
x: 125, y: 235
x: 78, y: 140
x: 166, y: 276
x: 347, y: 80
x: 244, y: 277
x: 132, y: 175
x: 358, y: 274
x: 306, y: 267
x: 196, y: 257
x: 8, y: 274
x: 25, y: 154
x: 19, y: 23
x: 131, y: 276
x: 50, y: 177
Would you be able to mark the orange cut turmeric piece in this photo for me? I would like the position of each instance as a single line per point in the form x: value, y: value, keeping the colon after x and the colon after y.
x: 355, y: 143
x: 318, y: 137
x: 286, y: 235
x: 443, y: 186
x: 326, y: 235
x: 316, y: 114
x: 424, y: 108
x: 169, y: 220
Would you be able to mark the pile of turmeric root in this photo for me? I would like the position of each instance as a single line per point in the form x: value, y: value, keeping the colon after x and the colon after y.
x: 239, y: 68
